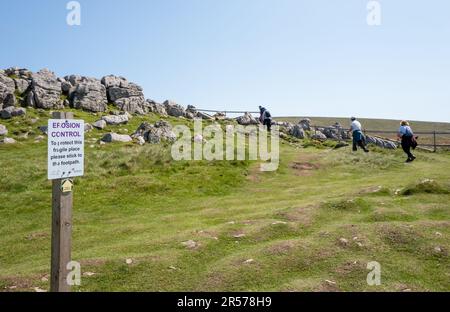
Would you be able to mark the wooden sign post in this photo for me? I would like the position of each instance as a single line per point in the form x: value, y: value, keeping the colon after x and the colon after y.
x: 64, y: 137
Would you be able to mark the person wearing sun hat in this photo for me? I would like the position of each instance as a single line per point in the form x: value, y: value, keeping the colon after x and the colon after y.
x: 406, y: 134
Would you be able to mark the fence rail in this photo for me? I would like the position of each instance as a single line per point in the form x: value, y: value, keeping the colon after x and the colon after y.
x: 224, y: 111
x: 434, y: 140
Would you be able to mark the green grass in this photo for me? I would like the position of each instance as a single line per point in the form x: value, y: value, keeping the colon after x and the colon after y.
x: 136, y: 202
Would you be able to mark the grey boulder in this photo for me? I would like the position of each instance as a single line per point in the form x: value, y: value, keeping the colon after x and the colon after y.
x: 88, y: 127
x: 114, y: 137
x: 127, y: 96
x: 317, y: 135
x: 45, y: 90
x: 156, y: 108
x: 174, y: 109
x: 298, y: 132
x: 191, y: 112
x: 305, y: 124
x: 247, y: 119
x: 156, y: 133
x: 7, y: 87
x: 7, y: 141
x: 85, y: 93
x: 99, y: 124
x: 387, y: 144
x: 3, y: 130
x: 115, y: 119
x: 12, y: 111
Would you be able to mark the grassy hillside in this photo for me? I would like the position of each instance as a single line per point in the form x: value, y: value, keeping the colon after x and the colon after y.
x: 312, y: 225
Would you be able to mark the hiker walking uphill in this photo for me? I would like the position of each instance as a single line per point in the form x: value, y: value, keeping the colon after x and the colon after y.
x: 358, y: 137
x: 265, y: 118
x: 406, y: 134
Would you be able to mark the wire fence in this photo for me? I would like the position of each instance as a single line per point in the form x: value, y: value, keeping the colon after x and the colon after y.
x: 426, y: 139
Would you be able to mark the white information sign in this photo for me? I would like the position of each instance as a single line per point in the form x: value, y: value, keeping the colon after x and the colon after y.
x: 65, y: 148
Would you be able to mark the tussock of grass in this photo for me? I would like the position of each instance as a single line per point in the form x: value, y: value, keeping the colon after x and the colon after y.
x: 426, y: 186
x: 357, y: 204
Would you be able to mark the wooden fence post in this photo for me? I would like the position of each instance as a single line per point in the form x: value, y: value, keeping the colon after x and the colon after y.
x: 434, y: 141
x: 61, y: 229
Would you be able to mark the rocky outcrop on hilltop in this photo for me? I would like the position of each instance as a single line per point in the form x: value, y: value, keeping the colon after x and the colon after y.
x: 7, y: 89
x: 125, y: 95
x: 85, y: 93
x: 21, y: 88
x: 43, y: 89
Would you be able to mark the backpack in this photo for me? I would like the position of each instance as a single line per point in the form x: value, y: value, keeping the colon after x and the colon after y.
x: 414, y: 142
x: 267, y: 115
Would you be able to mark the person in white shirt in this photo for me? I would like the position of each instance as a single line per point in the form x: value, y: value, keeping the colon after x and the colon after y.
x: 358, y: 137
x: 407, y: 135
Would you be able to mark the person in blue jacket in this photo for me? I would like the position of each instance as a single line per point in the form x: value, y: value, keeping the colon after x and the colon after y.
x: 406, y: 134
x: 358, y: 137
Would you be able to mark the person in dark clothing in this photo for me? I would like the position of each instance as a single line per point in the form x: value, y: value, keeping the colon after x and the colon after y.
x: 265, y: 118
x: 406, y: 134
x: 358, y: 137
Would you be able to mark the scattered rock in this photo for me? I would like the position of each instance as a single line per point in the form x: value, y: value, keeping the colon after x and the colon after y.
x: 99, y: 124
x: 438, y: 234
x: 248, y: 261
x: 39, y: 138
x: 383, y: 143
x: 343, y: 241
x: 305, y: 124
x: 43, y: 129
x: 12, y: 111
x: 3, y: 130
x: 437, y: 249
x: 156, y: 108
x: 190, y: 244
x: 128, y: 261
x: 115, y: 119
x: 88, y: 127
x: 174, y: 109
x: 247, y: 119
x: 279, y: 222
x: 198, y: 138
x: 317, y: 135
x: 140, y: 140
x: 114, y: 137
x: 8, y: 141
x: 37, y: 289
x: 92, y: 273
x: 297, y: 132
x: 219, y: 116
x: 156, y: 133
x: 191, y: 112
x: 240, y: 235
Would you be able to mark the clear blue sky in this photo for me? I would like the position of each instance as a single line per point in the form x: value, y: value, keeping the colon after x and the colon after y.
x: 296, y: 57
